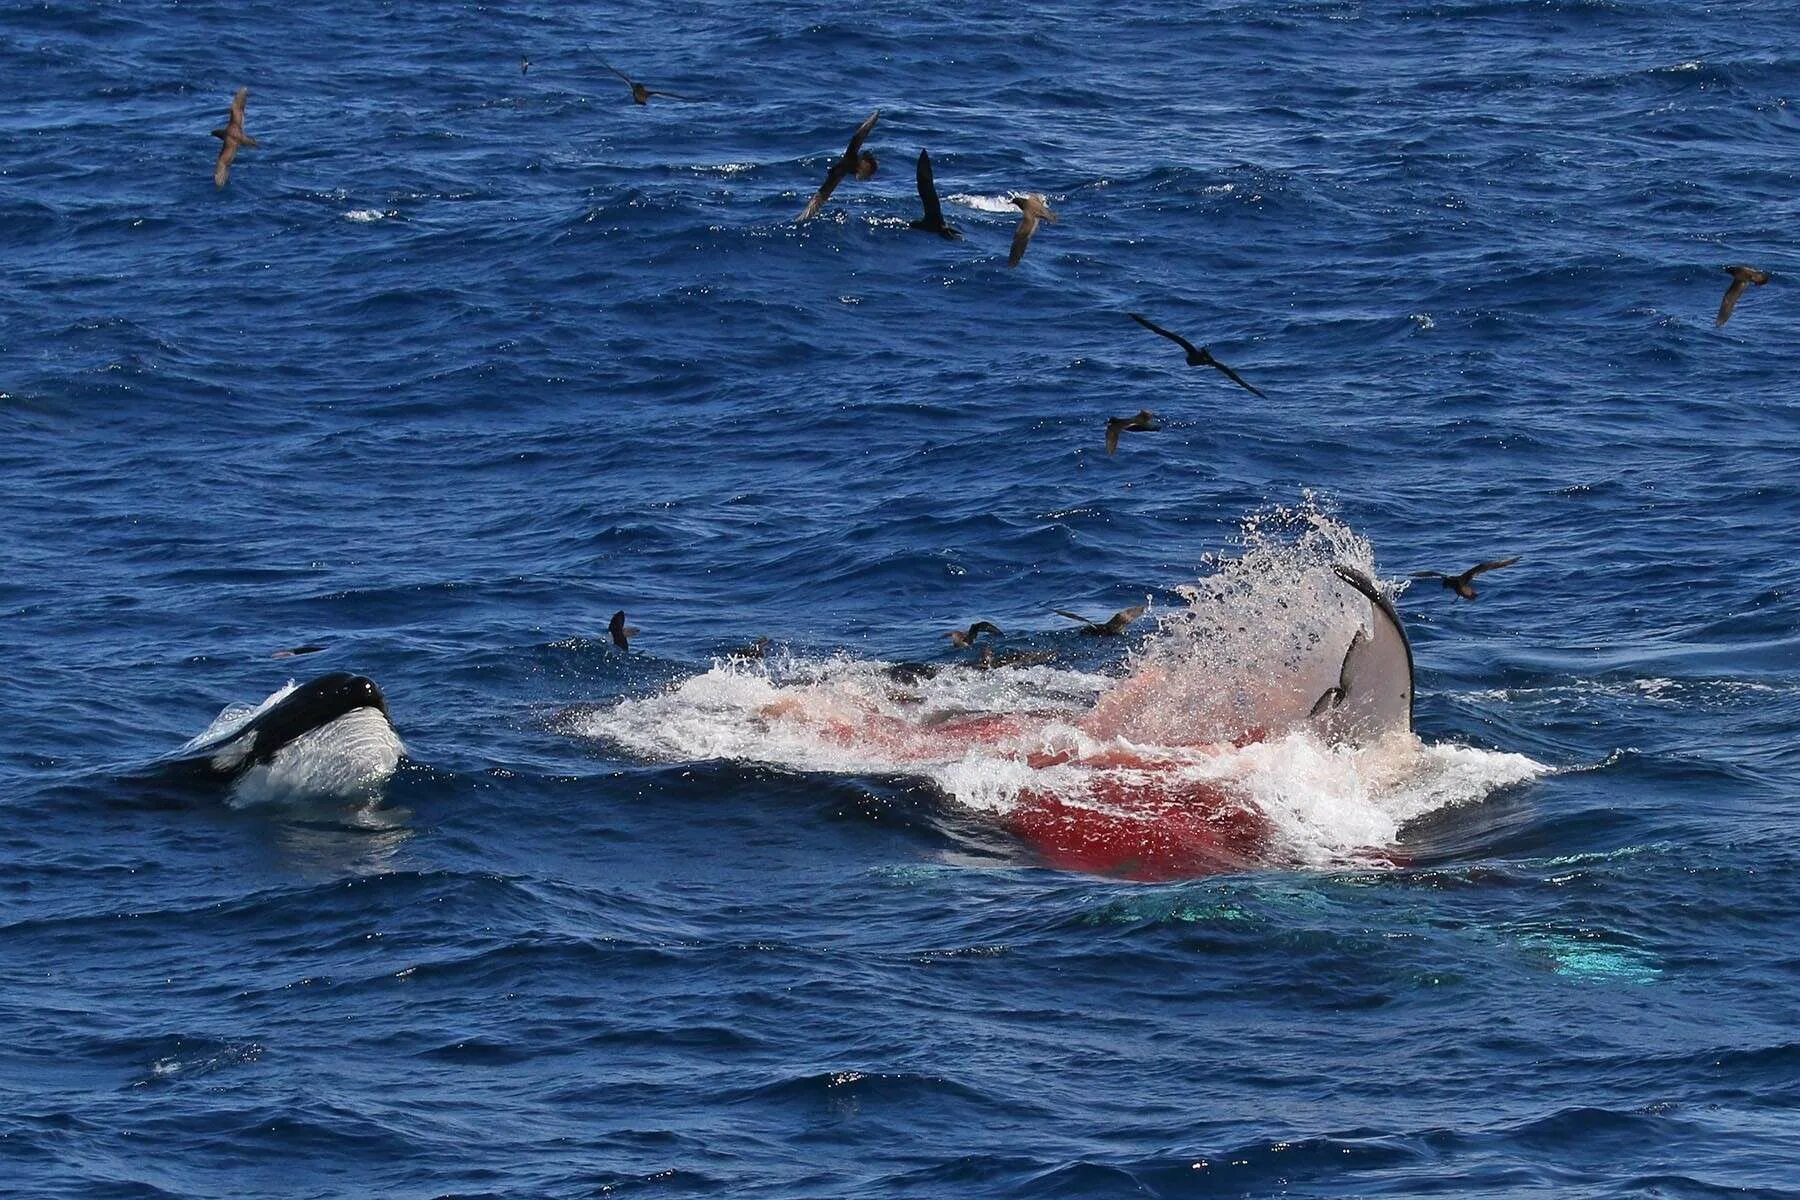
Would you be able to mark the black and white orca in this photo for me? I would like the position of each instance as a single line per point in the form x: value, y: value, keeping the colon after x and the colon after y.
x: 332, y: 736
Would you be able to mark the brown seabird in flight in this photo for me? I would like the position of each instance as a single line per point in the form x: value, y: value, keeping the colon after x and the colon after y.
x: 1463, y: 585
x: 1113, y: 626
x: 966, y: 637
x: 621, y: 632
x: 234, y: 137
x: 1144, y: 422
x: 1741, y: 278
x: 639, y: 93
x: 1033, y: 210
x: 855, y: 161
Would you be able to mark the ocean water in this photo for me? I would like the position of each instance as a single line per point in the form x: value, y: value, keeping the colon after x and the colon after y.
x: 464, y: 359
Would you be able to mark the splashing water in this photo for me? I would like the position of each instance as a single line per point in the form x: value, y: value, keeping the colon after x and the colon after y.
x: 1199, y: 757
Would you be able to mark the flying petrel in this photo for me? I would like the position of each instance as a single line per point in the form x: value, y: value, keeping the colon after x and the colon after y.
x: 855, y: 161
x: 1197, y: 356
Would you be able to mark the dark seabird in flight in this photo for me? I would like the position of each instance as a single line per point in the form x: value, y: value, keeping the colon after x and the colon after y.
x: 1197, y: 356
x: 640, y: 93
x: 856, y: 161
x: 524, y: 66
x: 1333, y: 697
x: 933, y: 220
x: 621, y: 632
x: 234, y: 137
x: 297, y: 651
x: 1113, y: 626
x: 1033, y: 210
x: 1463, y: 585
x: 1144, y: 422
x: 1741, y: 278
x: 966, y: 637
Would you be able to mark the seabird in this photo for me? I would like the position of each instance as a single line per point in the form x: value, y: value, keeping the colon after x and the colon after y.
x: 524, y: 66
x: 1463, y: 585
x: 1023, y: 658
x: 621, y: 632
x: 1144, y: 422
x: 933, y: 220
x: 297, y: 651
x: 752, y: 650
x: 962, y: 637
x: 234, y: 137
x: 1113, y: 626
x: 1741, y: 277
x: 1333, y: 697
x: 1034, y: 210
x: 856, y: 161
x: 639, y: 92
x: 909, y: 672
x: 1197, y: 356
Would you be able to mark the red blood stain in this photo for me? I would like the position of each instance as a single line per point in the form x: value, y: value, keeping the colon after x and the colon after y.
x: 1145, y: 831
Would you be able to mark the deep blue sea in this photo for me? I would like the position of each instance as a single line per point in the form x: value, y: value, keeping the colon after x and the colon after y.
x: 465, y: 358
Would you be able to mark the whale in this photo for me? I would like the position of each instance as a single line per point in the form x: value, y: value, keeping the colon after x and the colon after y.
x: 330, y: 736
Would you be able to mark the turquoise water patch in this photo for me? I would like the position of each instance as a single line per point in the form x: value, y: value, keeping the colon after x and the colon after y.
x: 1167, y: 907
x: 1588, y: 956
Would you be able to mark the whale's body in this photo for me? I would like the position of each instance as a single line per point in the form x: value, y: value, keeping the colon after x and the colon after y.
x: 331, y: 736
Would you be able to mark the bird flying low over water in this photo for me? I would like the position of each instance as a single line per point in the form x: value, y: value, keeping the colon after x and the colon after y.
x: 1463, y: 585
x: 1197, y: 356
x: 621, y: 632
x: 233, y: 136
x: 639, y: 93
x: 933, y: 220
x: 297, y: 651
x: 1144, y: 422
x: 1034, y: 210
x: 1741, y: 278
x: 1113, y: 626
x: 524, y: 66
x: 966, y: 637
x: 855, y: 161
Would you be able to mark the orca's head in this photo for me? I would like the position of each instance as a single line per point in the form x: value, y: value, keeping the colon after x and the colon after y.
x: 314, y: 704
x: 331, y: 696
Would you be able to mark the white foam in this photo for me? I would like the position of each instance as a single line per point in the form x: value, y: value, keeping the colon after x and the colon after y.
x: 367, y: 215
x: 1181, y: 715
x: 994, y: 204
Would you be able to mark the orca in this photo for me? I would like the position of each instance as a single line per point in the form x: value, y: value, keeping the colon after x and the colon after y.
x: 332, y: 735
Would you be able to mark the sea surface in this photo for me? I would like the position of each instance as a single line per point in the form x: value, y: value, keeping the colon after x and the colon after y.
x: 465, y: 358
